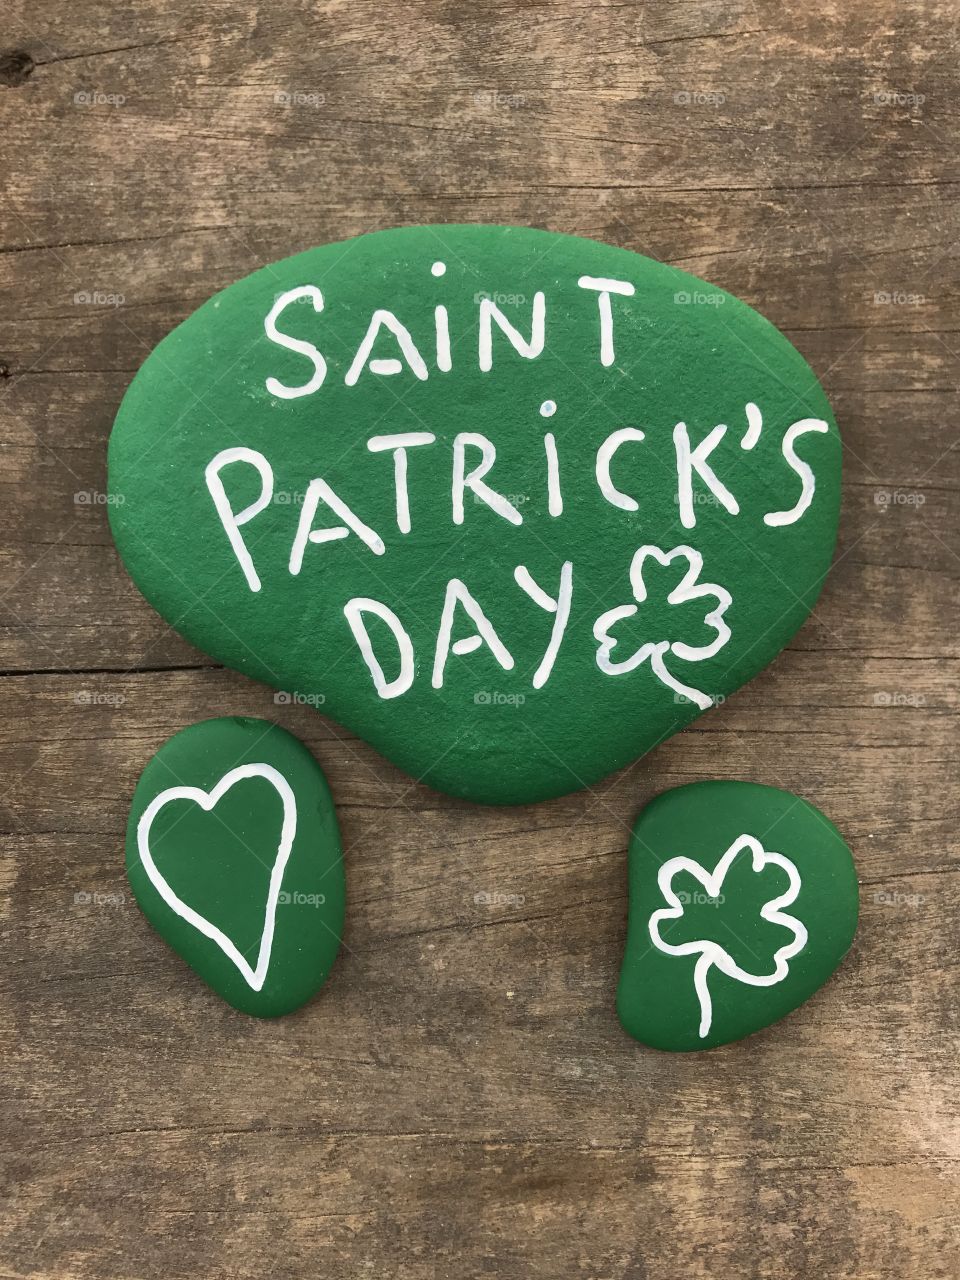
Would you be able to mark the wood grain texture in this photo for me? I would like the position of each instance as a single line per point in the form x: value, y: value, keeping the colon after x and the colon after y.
x: 460, y: 1101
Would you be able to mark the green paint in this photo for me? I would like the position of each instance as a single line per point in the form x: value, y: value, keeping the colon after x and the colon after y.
x: 217, y: 852
x: 767, y: 918
x: 643, y: 643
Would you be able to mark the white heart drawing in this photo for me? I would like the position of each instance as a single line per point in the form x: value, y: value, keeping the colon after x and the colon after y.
x: 206, y: 800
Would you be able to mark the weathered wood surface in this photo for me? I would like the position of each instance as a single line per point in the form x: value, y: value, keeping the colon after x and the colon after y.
x: 460, y: 1101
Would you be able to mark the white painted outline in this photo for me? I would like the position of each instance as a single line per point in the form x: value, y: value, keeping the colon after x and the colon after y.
x: 382, y: 319
x: 473, y: 480
x: 604, y: 289
x: 754, y: 426
x: 319, y: 491
x: 303, y: 348
x: 605, y: 455
x: 207, y: 800
x: 458, y: 593
x: 711, y: 953
x: 560, y: 607
x: 353, y: 611
x: 695, y: 459
x: 554, y: 492
x: 490, y: 313
x: 230, y: 519
x: 688, y: 588
x: 398, y: 445
x: 803, y: 470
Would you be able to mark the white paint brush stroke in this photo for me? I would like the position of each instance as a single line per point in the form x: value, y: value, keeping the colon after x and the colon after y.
x: 689, y: 588
x: 254, y: 977
x: 711, y: 953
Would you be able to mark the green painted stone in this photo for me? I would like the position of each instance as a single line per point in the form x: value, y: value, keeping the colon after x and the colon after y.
x: 233, y: 853
x: 512, y: 506
x: 743, y: 901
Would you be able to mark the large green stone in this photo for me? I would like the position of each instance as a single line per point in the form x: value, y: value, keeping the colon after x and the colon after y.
x: 303, y: 483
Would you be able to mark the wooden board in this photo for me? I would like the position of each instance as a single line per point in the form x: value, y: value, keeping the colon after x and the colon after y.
x: 461, y: 1102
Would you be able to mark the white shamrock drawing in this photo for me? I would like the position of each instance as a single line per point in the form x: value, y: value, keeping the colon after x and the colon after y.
x: 711, y: 953
x: 689, y: 588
